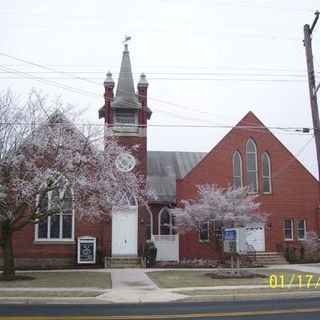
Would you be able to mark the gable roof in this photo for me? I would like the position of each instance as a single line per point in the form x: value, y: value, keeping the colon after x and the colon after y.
x: 164, y: 168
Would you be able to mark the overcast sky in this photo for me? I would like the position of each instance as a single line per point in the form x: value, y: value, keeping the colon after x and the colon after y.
x: 208, y: 62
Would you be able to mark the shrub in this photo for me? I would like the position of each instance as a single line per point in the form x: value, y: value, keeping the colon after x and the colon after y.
x: 150, y: 253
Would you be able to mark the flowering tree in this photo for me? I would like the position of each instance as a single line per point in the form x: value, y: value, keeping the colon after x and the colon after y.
x: 312, y: 243
x: 41, y: 152
x: 220, y: 207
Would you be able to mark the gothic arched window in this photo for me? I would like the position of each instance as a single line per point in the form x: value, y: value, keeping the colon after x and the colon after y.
x: 128, y: 200
x: 237, y: 170
x: 252, y: 170
x: 266, y: 173
x: 165, y: 222
x: 149, y: 224
x: 59, y: 205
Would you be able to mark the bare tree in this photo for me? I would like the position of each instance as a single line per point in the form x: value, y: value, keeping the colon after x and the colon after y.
x: 41, y: 152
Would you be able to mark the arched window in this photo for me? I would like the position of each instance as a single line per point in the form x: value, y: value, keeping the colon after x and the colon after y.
x: 237, y: 170
x: 266, y: 173
x: 59, y: 205
x: 252, y: 171
x: 149, y: 224
x: 165, y: 222
x: 128, y: 200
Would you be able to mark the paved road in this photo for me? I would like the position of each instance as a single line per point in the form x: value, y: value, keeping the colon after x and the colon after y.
x: 284, y: 309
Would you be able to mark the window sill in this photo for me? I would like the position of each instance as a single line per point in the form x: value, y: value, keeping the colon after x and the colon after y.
x: 54, y: 242
x: 288, y: 239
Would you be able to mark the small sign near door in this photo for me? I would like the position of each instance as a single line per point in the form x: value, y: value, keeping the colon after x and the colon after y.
x: 86, y: 252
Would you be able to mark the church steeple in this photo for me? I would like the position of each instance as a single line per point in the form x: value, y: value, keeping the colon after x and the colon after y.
x: 125, y: 94
x: 125, y: 113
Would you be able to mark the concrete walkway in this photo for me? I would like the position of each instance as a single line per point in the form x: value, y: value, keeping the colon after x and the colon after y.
x: 314, y: 268
x: 124, y: 279
x: 134, y: 286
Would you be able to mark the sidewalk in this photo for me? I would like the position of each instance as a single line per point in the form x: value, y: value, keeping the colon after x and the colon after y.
x: 315, y: 268
x: 134, y: 286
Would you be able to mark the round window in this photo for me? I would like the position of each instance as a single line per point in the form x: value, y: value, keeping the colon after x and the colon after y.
x: 125, y: 162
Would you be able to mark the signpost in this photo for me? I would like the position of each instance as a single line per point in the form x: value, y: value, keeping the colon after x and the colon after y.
x: 234, y: 242
x: 86, y: 250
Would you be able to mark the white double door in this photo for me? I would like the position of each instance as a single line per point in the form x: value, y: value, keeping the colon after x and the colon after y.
x: 256, y: 237
x: 125, y: 231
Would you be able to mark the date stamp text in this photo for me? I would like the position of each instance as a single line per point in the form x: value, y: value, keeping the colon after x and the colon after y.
x: 309, y: 281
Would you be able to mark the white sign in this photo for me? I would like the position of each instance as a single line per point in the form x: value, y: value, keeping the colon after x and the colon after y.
x: 234, y: 240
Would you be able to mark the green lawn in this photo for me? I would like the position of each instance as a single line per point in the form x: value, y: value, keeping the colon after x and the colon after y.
x: 195, y: 278
x: 63, y: 279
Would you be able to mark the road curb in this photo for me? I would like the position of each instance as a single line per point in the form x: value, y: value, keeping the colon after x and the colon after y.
x: 232, y: 296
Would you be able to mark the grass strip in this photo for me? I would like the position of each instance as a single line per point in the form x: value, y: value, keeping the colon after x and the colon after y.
x: 61, y: 279
x: 202, y: 278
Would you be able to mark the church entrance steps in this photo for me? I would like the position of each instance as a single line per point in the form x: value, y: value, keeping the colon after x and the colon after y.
x: 269, y: 258
x: 123, y: 262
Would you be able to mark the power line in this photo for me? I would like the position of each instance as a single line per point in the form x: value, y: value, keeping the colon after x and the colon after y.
x: 242, y: 5
x: 295, y: 156
x: 172, y: 79
x: 105, y: 18
x: 168, y: 73
x: 49, y: 82
x: 154, y: 99
x: 164, y: 67
x: 296, y: 130
x: 76, y: 90
x: 152, y: 30
x: 43, y: 67
x: 72, y: 89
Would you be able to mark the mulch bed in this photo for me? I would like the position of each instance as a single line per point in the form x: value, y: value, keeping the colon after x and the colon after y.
x: 226, y: 274
x: 198, y: 264
x: 182, y: 265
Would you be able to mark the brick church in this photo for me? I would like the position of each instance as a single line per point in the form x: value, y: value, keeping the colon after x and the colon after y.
x: 248, y: 155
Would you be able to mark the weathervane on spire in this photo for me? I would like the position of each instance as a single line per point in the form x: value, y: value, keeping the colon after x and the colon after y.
x: 126, y: 39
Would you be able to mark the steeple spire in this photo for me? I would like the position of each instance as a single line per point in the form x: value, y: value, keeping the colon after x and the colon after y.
x: 125, y: 94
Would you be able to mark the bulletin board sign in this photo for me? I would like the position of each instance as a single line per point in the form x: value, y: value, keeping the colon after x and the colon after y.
x: 86, y: 250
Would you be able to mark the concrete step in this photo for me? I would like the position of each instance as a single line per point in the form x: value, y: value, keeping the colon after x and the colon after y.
x: 268, y: 258
x: 121, y: 262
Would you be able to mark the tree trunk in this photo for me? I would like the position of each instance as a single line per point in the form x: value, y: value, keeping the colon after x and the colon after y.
x: 8, y: 259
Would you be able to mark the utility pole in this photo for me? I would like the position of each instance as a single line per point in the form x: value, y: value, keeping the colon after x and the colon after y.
x: 313, y: 88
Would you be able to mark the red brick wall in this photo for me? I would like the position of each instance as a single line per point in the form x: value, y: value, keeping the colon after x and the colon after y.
x: 295, y: 192
x: 140, y: 155
x: 25, y: 247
